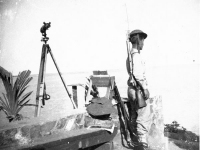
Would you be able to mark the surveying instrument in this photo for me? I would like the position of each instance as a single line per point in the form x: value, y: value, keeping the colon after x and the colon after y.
x: 41, y: 95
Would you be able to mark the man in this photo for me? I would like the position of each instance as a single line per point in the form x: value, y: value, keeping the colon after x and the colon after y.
x: 141, y: 116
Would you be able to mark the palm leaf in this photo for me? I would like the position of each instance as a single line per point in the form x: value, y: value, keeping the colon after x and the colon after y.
x: 11, y: 79
x: 7, y: 78
x: 6, y: 102
x: 27, y: 74
x: 24, y: 86
x: 4, y: 105
x: 22, y: 78
x: 15, y: 87
x: 18, y: 110
x: 24, y: 97
x: 22, y: 82
x: 19, y: 94
x: 7, y: 85
x: 25, y: 80
x: 4, y: 110
x: 23, y: 100
x: 4, y: 73
x: 10, y: 96
x: 7, y: 106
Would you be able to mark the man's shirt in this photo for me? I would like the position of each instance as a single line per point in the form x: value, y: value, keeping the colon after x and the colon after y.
x: 138, y: 67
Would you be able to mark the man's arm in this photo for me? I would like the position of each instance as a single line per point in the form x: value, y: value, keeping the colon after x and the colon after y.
x: 139, y: 69
x: 139, y: 73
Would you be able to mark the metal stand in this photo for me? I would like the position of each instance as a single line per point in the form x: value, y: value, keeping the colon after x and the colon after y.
x: 41, y: 95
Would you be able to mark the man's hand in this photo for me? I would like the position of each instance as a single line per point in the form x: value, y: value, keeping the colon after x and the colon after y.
x: 146, y: 94
x: 131, y: 81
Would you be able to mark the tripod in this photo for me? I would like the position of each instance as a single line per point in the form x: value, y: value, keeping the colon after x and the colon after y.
x: 41, y: 95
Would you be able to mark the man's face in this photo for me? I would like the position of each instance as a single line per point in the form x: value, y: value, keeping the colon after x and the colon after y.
x: 141, y: 44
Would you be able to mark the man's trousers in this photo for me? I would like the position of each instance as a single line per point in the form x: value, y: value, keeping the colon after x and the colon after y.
x: 141, y: 116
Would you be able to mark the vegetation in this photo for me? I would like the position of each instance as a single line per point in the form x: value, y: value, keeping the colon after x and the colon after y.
x: 15, y: 99
x: 181, y: 137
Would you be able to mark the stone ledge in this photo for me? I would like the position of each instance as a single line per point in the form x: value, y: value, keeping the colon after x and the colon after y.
x: 24, y: 133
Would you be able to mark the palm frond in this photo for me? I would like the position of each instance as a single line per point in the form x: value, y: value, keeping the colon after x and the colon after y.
x: 6, y: 78
x: 19, y: 94
x: 24, y: 98
x: 22, y: 106
x: 22, y: 101
x: 27, y: 82
x: 24, y: 86
x: 16, y: 86
x: 7, y: 81
x: 25, y: 79
x: 4, y: 110
x: 4, y: 73
x: 7, y: 85
x: 21, y: 83
x: 22, y: 77
x: 6, y: 101
x: 27, y: 74
x: 10, y: 96
x: 4, y: 104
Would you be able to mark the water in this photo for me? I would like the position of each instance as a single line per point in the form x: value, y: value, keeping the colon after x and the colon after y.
x: 178, y: 85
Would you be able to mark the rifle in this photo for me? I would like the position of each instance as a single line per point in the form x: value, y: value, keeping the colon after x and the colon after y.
x: 126, y: 126
x: 139, y: 89
x: 129, y: 58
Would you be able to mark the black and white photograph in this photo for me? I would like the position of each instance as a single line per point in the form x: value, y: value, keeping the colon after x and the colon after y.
x: 99, y: 74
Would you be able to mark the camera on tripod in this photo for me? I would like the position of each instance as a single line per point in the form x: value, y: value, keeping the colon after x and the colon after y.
x: 45, y: 27
x: 43, y: 30
x: 41, y: 94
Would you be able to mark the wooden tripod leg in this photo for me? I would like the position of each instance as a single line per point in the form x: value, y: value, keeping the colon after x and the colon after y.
x: 73, y: 103
x: 41, y: 80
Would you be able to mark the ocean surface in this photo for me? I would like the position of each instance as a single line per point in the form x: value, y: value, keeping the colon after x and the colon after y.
x: 179, y: 86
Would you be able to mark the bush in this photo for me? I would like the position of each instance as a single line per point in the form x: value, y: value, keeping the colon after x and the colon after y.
x: 187, y: 145
x: 14, y: 99
x: 182, y: 138
x: 176, y: 136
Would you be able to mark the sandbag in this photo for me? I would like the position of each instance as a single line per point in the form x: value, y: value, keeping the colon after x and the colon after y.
x: 100, y: 106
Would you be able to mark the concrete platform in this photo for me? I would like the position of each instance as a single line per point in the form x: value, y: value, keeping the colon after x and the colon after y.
x: 27, y: 132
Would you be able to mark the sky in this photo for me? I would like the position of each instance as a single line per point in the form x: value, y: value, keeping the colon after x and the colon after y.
x: 88, y: 35
x: 91, y: 34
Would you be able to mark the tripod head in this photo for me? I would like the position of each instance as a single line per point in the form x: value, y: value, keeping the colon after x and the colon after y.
x: 43, y: 30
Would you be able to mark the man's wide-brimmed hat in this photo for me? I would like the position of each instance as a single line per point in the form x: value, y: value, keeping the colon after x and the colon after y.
x: 134, y: 32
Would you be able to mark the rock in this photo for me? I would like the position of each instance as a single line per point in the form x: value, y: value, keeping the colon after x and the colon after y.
x: 155, y: 135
